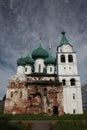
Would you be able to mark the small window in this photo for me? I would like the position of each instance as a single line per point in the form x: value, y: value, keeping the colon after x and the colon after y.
x: 60, y: 50
x: 62, y: 58
x: 50, y: 69
x: 11, y: 94
x: 45, y: 89
x: 25, y: 69
x: 29, y: 98
x: 20, y: 94
x: 64, y: 82
x: 72, y: 81
x: 74, y: 111
x: 70, y: 58
x: 73, y: 96
x: 39, y: 68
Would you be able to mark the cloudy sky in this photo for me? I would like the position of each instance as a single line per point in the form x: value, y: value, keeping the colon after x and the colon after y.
x: 22, y: 22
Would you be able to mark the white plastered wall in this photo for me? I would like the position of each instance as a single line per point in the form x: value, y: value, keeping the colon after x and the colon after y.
x: 20, y: 70
x: 71, y: 104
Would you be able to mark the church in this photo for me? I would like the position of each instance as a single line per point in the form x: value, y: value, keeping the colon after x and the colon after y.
x: 46, y: 84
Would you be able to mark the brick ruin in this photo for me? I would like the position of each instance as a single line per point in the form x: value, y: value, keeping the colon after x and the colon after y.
x: 34, y: 96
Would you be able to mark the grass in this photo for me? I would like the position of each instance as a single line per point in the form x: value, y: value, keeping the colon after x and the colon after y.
x: 42, y: 117
x: 11, y: 126
x: 65, y: 122
x: 71, y: 125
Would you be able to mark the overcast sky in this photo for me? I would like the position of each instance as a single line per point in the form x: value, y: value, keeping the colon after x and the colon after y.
x: 22, y: 22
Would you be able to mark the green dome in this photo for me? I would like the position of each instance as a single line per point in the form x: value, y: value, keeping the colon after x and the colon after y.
x: 50, y: 60
x: 21, y: 61
x: 39, y: 53
x: 64, y: 40
x: 29, y: 60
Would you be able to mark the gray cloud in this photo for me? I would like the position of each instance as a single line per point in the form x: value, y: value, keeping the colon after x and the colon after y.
x: 22, y: 22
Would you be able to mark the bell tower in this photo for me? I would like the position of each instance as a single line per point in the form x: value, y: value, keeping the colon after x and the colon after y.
x: 68, y: 74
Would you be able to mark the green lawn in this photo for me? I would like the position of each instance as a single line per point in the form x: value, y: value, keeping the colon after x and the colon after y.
x: 11, y: 126
x: 41, y: 117
x: 65, y: 122
x: 71, y: 125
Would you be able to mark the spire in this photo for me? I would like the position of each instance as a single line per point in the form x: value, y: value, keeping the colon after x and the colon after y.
x: 40, y: 42
x: 29, y: 48
x: 28, y: 51
x: 64, y: 40
x: 22, y: 53
x: 50, y: 47
x: 40, y: 39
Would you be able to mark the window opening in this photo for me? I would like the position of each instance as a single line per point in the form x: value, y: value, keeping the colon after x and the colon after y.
x: 70, y: 58
x: 62, y: 58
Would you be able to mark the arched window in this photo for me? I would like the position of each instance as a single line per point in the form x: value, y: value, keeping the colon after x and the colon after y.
x: 70, y: 58
x: 72, y: 82
x: 39, y: 68
x: 64, y: 82
x: 62, y: 58
x: 50, y: 69
x: 73, y: 96
x: 25, y: 69
x: 74, y: 111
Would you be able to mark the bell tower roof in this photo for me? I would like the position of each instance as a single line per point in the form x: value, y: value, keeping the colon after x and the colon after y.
x: 64, y: 40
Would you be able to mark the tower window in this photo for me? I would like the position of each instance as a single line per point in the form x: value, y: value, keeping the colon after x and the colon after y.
x: 64, y: 82
x: 70, y: 58
x: 60, y: 50
x: 62, y: 58
x: 73, y: 96
x: 72, y: 82
x: 39, y: 68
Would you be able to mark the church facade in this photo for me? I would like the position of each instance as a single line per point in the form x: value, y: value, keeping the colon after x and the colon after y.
x: 46, y: 84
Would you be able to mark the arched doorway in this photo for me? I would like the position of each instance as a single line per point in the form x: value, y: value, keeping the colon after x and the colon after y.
x: 55, y: 110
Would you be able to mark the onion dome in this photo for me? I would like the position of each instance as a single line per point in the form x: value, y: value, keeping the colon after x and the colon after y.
x: 29, y: 60
x: 50, y: 60
x: 39, y: 53
x: 21, y: 62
